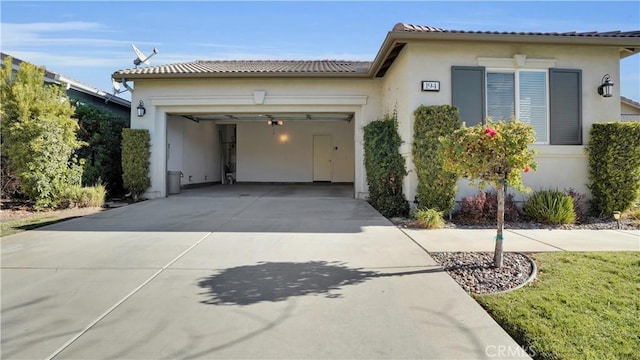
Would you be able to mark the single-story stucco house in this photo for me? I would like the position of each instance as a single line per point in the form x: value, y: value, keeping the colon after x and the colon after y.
x: 301, y: 121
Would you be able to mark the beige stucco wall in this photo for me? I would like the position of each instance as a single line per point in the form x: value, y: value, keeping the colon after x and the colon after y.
x: 559, y: 166
x: 193, y: 148
x: 285, y: 154
x: 200, y: 96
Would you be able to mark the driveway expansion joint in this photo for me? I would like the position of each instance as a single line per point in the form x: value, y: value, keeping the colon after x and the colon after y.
x: 534, y: 239
x: 123, y: 300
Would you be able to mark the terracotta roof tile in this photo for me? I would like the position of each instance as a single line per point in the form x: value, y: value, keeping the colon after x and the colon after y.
x: 401, y: 27
x: 256, y: 67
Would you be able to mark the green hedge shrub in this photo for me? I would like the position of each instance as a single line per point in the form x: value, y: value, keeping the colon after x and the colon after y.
x: 428, y: 218
x: 550, y: 206
x: 385, y: 167
x: 436, y: 187
x: 136, y: 151
x: 614, y: 166
x: 101, y: 129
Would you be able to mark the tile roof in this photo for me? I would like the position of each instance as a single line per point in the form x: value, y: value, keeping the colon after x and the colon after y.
x: 401, y: 27
x: 386, y: 55
x: 254, y: 67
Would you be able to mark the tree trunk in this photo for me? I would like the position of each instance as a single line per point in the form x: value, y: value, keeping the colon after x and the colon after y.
x: 497, y: 255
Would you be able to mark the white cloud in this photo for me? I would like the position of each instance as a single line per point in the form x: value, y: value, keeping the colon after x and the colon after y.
x: 50, y: 27
x: 53, y: 61
x: 42, y: 34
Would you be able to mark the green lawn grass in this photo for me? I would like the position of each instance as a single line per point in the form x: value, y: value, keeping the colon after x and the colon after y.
x: 15, y: 226
x: 582, y: 306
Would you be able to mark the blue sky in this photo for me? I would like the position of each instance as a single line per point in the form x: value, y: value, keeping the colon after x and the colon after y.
x: 89, y: 40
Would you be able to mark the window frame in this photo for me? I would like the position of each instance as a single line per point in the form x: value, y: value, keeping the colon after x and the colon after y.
x: 516, y: 76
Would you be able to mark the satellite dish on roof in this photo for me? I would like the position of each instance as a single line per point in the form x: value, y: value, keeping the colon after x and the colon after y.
x: 116, y: 86
x: 117, y: 90
x: 140, y: 57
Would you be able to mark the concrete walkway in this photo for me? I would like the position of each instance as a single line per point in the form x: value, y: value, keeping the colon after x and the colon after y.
x: 251, y: 273
x: 450, y: 240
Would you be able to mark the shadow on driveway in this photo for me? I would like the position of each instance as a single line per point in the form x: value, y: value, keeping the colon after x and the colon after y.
x: 278, y: 281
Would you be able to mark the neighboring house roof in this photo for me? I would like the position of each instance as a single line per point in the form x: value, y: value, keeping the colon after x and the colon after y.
x: 254, y: 67
x: 630, y: 102
x: 57, y: 78
x: 627, y: 41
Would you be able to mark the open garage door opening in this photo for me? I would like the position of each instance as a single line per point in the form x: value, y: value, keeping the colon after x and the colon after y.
x: 289, y: 148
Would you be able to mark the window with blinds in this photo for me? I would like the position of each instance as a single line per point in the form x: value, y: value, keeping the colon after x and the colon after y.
x: 530, y: 90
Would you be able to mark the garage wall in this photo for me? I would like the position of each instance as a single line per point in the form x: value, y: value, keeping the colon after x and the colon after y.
x: 287, y: 155
x: 199, y: 157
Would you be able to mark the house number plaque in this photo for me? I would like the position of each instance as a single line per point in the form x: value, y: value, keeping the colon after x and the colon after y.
x: 431, y: 86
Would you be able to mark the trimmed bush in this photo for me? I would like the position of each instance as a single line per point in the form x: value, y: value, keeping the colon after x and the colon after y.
x: 428, y: 218
x: 482, y: 208
x: 92, y: 196
x: 614, y: 166
x: 551, y: 207
x: 385, y: 167
x: 136, y: 151
x: 436, y: 187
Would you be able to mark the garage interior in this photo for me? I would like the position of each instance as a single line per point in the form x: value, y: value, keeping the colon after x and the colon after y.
x: 216, y: 148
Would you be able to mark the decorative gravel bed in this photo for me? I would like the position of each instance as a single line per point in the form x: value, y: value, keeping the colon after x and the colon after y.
x: 592, y: 223
x: 475, y: 273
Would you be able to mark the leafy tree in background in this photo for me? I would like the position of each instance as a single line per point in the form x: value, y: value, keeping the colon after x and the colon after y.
x: 38, y: 135
x: 496, y: 154
x: 101, y: 129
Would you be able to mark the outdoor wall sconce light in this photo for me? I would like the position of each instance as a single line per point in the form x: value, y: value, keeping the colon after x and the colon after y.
x: 141, y: 109
x: 605, y: 89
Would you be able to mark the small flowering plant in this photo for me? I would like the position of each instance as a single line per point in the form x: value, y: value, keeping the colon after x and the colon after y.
x: 497, y: 154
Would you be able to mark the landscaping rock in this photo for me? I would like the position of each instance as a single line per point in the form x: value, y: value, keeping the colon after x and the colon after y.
x: 475, y: 273
x: 591, y: 223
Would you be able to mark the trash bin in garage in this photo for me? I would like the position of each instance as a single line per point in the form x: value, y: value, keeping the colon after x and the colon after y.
x: 174, y: 182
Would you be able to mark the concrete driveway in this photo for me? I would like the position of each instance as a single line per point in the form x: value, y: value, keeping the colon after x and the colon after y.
x: 239, y: 272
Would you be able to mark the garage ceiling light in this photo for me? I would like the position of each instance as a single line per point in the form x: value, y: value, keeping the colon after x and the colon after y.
x: 275, y: 122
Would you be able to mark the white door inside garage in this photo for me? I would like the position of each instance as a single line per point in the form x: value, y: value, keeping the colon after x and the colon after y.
x: 322, y: 157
